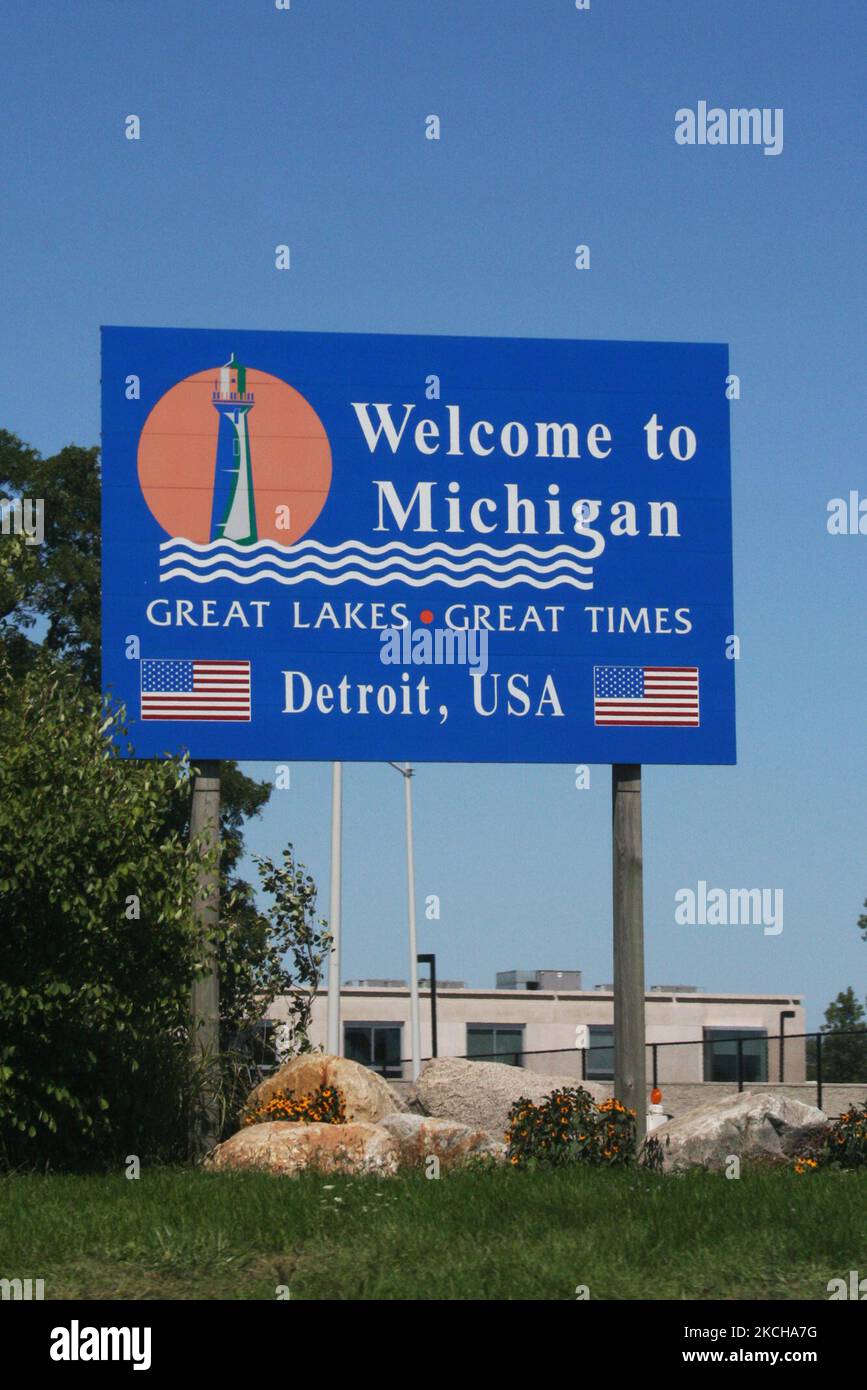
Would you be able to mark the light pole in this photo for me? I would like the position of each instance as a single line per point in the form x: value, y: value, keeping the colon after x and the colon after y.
x: 431, y: 960
x: 406, y: 773
x: 784, y: 1014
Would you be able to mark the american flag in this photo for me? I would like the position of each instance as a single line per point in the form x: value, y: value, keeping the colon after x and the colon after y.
x: 665, y: 696
x: 173, y: 689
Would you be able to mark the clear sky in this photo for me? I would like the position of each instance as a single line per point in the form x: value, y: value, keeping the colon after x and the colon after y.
x: 307, y: 126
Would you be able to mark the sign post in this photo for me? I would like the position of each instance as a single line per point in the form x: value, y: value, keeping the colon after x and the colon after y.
x: 205, y: 1001
x: 628, y: 901
x: 334, y: 909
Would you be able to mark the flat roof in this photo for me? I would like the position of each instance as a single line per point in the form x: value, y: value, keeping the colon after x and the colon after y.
x: 530, y: 995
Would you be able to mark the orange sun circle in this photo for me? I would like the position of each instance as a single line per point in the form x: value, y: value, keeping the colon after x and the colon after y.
x: 289, y: 450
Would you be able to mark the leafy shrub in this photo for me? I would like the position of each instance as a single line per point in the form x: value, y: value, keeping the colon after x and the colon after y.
x: 325, y: 1106
x: 293, y: 930
x: 569, y: 1127
x: 842, y: 1144
x: 98, y: 945
x: 847, y: 1139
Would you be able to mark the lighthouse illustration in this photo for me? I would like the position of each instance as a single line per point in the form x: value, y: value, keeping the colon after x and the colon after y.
x: 233, y: 514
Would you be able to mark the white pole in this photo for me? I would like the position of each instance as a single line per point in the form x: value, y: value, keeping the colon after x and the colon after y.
x: 414, y: 1013
x: 334, y: 1047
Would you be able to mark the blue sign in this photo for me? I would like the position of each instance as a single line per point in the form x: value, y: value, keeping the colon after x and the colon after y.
x: 377, y: 547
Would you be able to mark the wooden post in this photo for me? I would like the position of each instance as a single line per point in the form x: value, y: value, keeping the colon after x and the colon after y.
x: 205, y: 1001
x: 629, y: 1061
x: 333, y: 1034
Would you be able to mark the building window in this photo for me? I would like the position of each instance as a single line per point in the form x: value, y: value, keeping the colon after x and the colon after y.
x: 375, y: 1045
x: 500, y: 1044
x: 600, y: 1053
x: 721, y: 1054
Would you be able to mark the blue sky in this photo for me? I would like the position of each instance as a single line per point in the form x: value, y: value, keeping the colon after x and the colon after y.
x: 306, y: 127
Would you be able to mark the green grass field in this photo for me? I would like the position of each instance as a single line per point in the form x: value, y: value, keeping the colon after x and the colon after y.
x: 473, y: 1235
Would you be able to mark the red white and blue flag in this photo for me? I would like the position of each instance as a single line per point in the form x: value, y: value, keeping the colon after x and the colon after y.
x: 664, y: 696
x: 172, y: 689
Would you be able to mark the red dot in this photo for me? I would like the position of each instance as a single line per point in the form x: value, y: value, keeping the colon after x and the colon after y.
x: 426, y: 615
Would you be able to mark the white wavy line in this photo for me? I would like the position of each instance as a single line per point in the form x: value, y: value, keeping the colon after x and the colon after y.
x: 478, y: 547
x: 453, y: 566
x: 392, y: 578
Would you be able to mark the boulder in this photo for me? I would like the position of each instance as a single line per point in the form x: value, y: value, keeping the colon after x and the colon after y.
x: 286, y: 1149
x: 420, y: 1136
x: 753, y: 1125
x: 368, y: 1097
x: 480, y: 1094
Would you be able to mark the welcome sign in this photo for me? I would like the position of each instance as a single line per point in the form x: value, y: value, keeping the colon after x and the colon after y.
x: 383, y: 547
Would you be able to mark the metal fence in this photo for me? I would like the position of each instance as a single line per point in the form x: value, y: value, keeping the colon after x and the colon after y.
x: 827, y: 1062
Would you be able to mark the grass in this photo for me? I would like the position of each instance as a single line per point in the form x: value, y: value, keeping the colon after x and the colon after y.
x: 506, y: 1234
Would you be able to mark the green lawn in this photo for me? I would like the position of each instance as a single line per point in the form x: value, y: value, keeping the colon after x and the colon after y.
x: 474, y: 1235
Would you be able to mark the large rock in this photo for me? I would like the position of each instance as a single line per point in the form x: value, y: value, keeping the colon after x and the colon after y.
x: 368, y: 1097
x: 754, y: 1124
x: 480, y: 1094
x: 419, y: 1137
x: 286, y: 1149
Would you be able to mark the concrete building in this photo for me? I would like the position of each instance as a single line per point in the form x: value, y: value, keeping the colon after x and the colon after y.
x: 543, y: 1020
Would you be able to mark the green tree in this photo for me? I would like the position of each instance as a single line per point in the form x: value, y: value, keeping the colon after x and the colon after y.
x: 281, y: 951
x: 56, y: 585
x: 844, y: 1041
x: 19, y: 562
x: 98, y: 943
x: 296, y: 933
x: 63, y: 585
x: 55, y: 589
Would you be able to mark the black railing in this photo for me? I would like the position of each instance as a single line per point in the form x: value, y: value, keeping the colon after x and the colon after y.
x: 814, y: 1062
